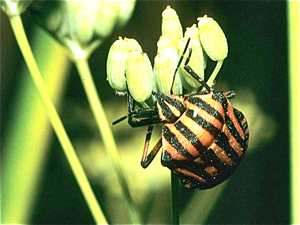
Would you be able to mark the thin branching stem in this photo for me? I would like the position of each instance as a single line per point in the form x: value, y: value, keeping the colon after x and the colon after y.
x: 175, y: 199
x: 214, y: 73
x: 106, y: 133
x: 56, y: 123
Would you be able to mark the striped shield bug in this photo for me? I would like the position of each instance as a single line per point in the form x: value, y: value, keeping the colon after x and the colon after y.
x: 203, y: 137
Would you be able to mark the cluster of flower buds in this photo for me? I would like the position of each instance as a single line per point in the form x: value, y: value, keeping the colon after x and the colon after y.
x: 81, y: 26
x: 128, y: 68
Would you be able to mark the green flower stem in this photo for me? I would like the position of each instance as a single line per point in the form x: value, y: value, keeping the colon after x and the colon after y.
x: 293, y: 57
x: 214, y: 73
x: 76, y: 167
x: 106, y: 132
x: 22, y: 164
x: 208, y: 198
x: 175, y: 199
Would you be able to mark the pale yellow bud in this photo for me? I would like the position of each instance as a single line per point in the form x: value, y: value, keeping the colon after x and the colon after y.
x: 196, y: 62
x: 192, y: 32
x: 133, y: 45
x: 164, y: 69
x: 212, y: 38
x: 139, y: 76
x: 115, y: 65
x: 171, y: 26
x: 164, y: 46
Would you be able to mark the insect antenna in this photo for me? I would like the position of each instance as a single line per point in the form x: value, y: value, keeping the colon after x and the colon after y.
x: 179, y: 62
x: 191, y: 72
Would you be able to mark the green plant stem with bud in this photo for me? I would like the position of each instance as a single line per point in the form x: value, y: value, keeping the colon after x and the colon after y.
x: 63, y: 138
x: 105, y: 131
x: 214, y: 73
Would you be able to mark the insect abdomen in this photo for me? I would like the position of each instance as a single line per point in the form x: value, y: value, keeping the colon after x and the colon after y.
x: 207, y: 142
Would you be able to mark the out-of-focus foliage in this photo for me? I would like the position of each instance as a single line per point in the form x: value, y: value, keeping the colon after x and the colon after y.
x: 14, y: 7
x: 81, y: 25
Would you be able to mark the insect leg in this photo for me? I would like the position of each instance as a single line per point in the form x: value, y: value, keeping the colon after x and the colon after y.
x: 179, y: 63
x: 130, y: 102
x: 130, y: 107
x: 190, y: 71
x: 140, y: 117
x: 143, y: 117
x: 147, y: 159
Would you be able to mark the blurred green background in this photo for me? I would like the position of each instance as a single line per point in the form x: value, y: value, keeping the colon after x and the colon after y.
x: 256, y: 68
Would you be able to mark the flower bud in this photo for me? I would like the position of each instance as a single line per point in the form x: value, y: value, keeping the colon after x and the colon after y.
x: 171, y: 26
x: 14, y: 7
x: 139, y: 75
x: 164, y: 69
x: 164, y: 46
x: 196, y: 62
x: 133, y: 45
x: 115, y: 65
x: 212, y: 38
x: 193, y: 33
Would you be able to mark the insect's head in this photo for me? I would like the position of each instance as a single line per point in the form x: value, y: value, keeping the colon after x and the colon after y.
x: 170, y: 107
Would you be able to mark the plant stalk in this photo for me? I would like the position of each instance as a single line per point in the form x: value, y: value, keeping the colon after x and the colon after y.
x: 55, y: 121
x: 105, y: 132
x: 294, y: 98
x: 175, y: 199
x: 214, y: 73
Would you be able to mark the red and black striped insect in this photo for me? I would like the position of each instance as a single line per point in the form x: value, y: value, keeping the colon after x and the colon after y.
x: 203, y: 137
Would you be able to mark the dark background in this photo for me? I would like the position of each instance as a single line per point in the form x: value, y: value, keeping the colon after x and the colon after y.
x: 256, y: 32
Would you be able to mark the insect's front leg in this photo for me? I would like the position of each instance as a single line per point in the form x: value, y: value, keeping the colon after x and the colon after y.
x: 130, y: 102
x: 191, y: 72
x: 141, y: 117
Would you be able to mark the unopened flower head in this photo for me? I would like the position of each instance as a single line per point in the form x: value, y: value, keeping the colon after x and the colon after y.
x: 81, y: 25
x: 139, y: 76
x: 115, y: 66
x: 192, y: 32
x: 164, y: 46
x: 171, y: 26
x: 164, y: 69
x: 133, y: 45
x: 212, y: 38
x: 14, y: 7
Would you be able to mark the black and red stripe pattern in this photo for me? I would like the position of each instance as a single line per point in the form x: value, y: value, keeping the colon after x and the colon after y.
x: 203, y: 137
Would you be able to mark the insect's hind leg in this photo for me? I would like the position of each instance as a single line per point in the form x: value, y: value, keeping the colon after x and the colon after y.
x: 147, y: 159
